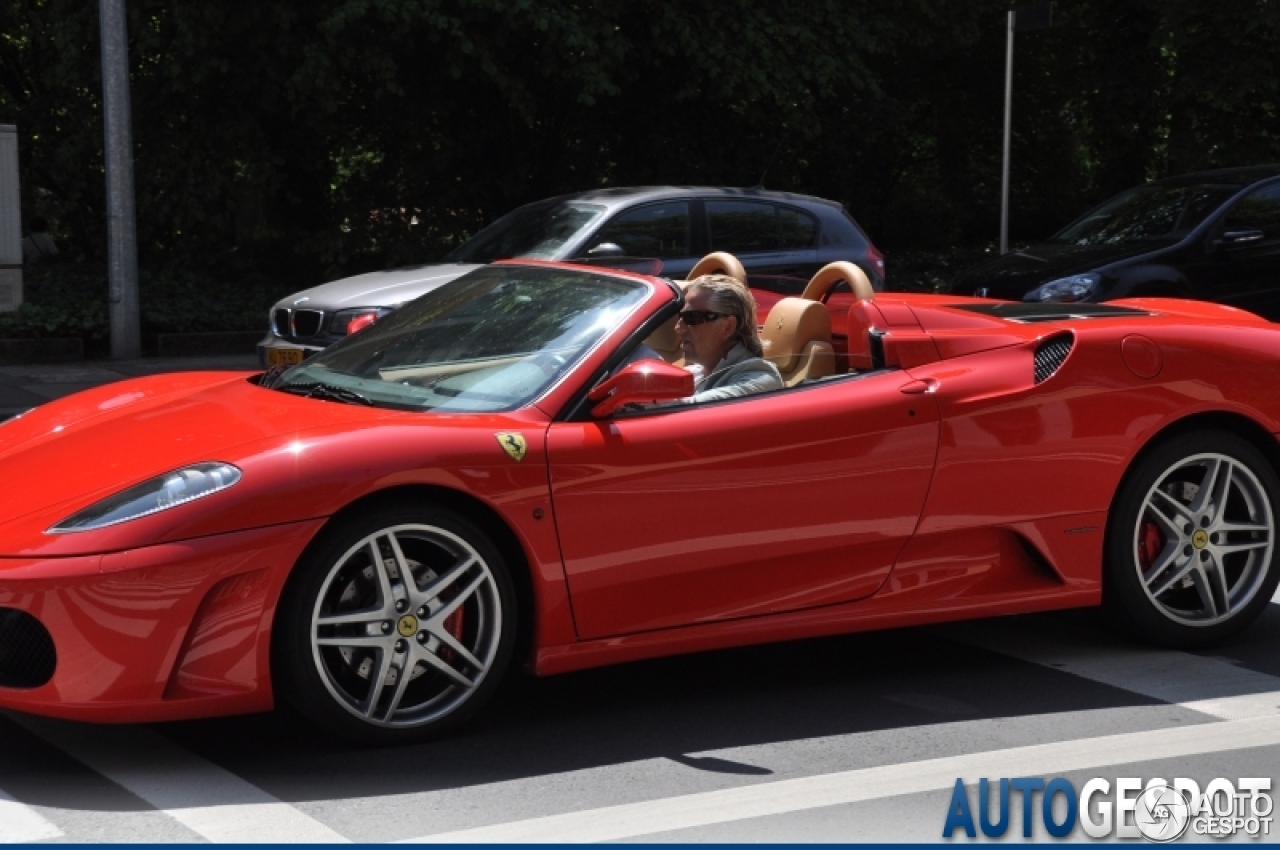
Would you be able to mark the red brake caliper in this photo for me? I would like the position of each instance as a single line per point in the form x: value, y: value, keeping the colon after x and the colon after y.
x: 453, y: 624
x: 1150, y: 542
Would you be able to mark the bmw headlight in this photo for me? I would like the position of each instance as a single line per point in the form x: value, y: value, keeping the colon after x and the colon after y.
x: 347, y: 322
x: 1078, y: 287
x: 150, y: 497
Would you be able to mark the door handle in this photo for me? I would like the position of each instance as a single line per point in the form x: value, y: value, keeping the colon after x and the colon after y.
x: 928, y: 385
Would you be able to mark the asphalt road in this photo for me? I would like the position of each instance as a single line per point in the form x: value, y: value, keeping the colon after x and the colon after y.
x: 856, y: 738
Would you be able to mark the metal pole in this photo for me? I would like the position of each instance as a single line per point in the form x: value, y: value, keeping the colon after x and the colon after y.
x: 1008, y: 121
x: 122, y: 227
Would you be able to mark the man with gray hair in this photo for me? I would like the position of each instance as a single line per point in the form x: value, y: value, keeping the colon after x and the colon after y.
x: 720, y: 341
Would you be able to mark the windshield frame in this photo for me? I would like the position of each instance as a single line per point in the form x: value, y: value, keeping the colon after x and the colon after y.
x: 643, y: 296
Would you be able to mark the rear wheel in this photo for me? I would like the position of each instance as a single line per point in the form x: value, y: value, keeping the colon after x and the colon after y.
x: 1191, y: 542
x: 398, y: 624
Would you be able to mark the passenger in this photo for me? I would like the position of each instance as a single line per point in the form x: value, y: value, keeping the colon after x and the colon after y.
x: 717, y: 330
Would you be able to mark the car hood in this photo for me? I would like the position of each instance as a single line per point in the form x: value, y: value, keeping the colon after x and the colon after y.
x: 301, y: 458
x: 1018, y: 272
x: 377, y: 289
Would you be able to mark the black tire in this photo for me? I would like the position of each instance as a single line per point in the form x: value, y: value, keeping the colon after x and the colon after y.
x: 1186, y: 567
x: 346, y: 621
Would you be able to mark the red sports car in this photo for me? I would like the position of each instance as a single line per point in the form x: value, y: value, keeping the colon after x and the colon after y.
x: 379, y: 534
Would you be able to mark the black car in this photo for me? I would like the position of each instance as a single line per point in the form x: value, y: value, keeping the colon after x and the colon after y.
x: 781, y: 238
x: 1213, y: 236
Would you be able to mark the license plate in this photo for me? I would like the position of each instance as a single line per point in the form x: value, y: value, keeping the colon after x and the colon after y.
x: 284, y: 356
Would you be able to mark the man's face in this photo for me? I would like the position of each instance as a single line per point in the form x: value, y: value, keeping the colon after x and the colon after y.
x: 707, y: 342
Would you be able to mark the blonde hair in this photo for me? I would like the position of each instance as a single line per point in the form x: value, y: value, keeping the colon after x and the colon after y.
x: 732, y: 297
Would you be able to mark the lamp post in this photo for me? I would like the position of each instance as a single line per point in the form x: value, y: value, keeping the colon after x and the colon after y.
x: 1036, y: 16
x: 122, y: 225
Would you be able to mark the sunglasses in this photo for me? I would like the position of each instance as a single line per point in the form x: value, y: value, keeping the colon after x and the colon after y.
x: 693, y: 318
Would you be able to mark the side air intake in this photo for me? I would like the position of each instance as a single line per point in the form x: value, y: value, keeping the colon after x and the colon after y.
x: 1051, y: 354
x: 27, y: 656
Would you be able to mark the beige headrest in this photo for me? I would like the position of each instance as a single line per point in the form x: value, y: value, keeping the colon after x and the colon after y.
x: 792, y: 324
x: 833, y: 273
x: 719, y: 262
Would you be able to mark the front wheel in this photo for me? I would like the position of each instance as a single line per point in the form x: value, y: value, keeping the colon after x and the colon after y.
x: 1191, y: 541
x: 397, y: 625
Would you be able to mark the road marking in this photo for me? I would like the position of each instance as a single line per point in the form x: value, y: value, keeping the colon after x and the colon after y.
x: 1208, y: 685
x: 210, y: 801
x: 630, y: 820
x: 20, y: 823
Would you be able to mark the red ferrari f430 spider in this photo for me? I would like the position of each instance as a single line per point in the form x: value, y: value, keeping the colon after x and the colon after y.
x: 475, y: 484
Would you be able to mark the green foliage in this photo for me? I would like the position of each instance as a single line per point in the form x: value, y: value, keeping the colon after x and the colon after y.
x: 280, y: 144
x: 60, y: 300
x: 68, y: 299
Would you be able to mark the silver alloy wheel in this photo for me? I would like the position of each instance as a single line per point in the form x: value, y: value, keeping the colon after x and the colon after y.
x: 1203, y: 540
x: 406, y: 625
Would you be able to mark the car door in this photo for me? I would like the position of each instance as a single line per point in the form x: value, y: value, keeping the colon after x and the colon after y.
x: 1243, y: 264
x: 782, y: 501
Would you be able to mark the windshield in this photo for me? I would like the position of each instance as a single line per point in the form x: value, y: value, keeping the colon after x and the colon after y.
x: 492, y: 340
x: 535, y: 232
x: 1147, y: 213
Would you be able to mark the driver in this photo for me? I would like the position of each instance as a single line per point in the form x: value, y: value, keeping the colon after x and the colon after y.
x: 717, y: 330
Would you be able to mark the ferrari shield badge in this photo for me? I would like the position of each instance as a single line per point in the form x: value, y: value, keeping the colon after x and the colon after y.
x: 513, y: 444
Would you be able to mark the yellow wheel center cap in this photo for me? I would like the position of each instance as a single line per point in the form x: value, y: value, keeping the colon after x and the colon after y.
x: 1200, y: 539
x: 407, y: 626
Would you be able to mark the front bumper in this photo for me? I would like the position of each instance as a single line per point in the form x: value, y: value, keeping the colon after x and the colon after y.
x: 163, y: 632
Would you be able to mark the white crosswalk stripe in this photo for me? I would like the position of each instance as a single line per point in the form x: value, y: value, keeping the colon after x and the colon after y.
x: 203, y: 797
x: 19, y: 823
x: 1248, y: 700
x: 813, y: 792
x: 1208, y: 706
x: 1207, y: 685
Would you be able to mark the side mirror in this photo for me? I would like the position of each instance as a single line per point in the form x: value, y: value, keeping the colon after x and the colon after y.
x: 1239, y: 236
x: 607, y: 249
x: 641, y: 382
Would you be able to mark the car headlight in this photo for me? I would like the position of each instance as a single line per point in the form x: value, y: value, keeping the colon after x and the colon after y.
x: 1078, y: 287
x: 347, y: 322
x: 150, y: 497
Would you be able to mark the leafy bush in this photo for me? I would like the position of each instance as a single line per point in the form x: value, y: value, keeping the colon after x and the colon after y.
x: 65, y: 299
x: 932, y: 271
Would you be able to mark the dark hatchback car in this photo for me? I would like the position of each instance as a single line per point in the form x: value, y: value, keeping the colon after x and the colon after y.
x: 1212, y: 236
x: 781, y: 238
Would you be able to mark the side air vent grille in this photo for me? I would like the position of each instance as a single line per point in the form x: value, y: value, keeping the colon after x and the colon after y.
x: 27, y: 656
x: 1050, y: 355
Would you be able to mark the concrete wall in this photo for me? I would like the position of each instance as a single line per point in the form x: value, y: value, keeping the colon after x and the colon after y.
x: 10, y: 221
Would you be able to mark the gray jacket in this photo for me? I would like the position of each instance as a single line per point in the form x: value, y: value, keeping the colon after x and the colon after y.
x: 739, y: 373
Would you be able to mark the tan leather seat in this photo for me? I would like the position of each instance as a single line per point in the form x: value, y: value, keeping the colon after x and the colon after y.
x: 719, y: 262
x: 839, y: 272
x: 666, y: 342
x: 797, y: 339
